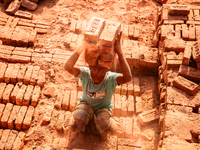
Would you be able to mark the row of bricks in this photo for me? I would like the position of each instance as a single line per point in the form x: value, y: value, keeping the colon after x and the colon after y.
x: 13, y: 22
x: 17, y: 36
x: 15, y: 116
x: 20, y: 94
x: 11, y: 139
x: 28, y: 74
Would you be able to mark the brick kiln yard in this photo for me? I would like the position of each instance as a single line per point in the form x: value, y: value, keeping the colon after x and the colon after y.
x: 159, y: 109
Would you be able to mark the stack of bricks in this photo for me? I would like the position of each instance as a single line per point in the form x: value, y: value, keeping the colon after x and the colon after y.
x: 178, y: 42
x: 28, y: 74
x: 11, y: 139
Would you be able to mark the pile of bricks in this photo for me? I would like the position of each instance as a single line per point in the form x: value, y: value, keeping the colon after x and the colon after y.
x: 11, y: 139
x: 28, y: 74
x: 15, y: 116
x: 177, y: 38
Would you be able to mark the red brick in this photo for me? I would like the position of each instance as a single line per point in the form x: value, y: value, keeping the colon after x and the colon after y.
x: 47, y: 116
x: 24, y: 14
x: 4, y: 138
x: 20, y: 117
x: 191, y: 15
x: 125, y: 31
x: 148, y: 116
x: 73, y: 25
x: 60, y: 120
x: 136, y: 86
x: 117, y: 105
x: 73, y: 99
x: 130, y: 105
x: 14, y: 73
x: 27, y: 95
x: 27, y: 24
x: 66, y: 100
x: 174, y: 44
x: 179, y: 10
x: 13, y: 7
x: 187, y: 55
x: 138, y: 105
x: 191, y: 33
x: 59, y: 100
x: 5, y: 57
x: 78, y: 26
x: 41, y: 31
x: 9, y: 21
x: 19, y: 59
x: 118, y: 89
x: 6, y: 115
x: 2, y: 89
x: 21, y: 73
x: 197, y: 32
x: 22, y: 53
x: 20, y: 41
x: 136, y: 34
x: 67, y: 39
x: 166, y: 30
x: 42, y: 26
x: 189, y: 73
x: 131, y: 31
x: 14, y: 36
x: 49, y: 91
x: 123, y: 89
x: 185, y: 31
x: 13, y: 116
x: 13, y: 134
x: 179, y: 17
x: 35, y: 95
x: 32, y: 38
x: 35, y: 75
x: 123, y: 106
x: 28, y: 118
x: 196, y: 51
x: 185, y: 85
x: 164, y: 14
x: 20, y: 95
x: 8, y: 35
x: 112, y: 142
x: 19, y: 141
x: 14, y: 23
x: 178, y: 29
x: 173, y: 63
x: 2, y: 107
x: 173, y: 22
x: 196, y: 14
x: 94, y: 29
x: 8, y: 73
x: 3, y: 67
x: 28, y: 74
x: 7, y: 93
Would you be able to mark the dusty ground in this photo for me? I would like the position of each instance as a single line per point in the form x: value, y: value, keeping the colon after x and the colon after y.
x: 141, y: 13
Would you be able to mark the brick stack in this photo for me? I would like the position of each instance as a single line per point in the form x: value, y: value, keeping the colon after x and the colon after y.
x: 178, y: 43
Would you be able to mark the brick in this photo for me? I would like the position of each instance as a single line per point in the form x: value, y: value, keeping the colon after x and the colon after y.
x: 136, y: 86
x: 78, y: 26
x: 35, y: 75
x: 4, y: 138
x: 41, y: 31
x: 27, y: 95
x: 14, y: 73
x: 14, y: 23
x: 191, y: 15
x: 94, y: 29
x: 66, y: 100
x: 83, y: 26
x: 19, y: 59
x: 118, y: 89
x: 3, y: 68
x: 149, y: 116
x: 138, y: 105
x: 117, y: 105
x: 11, y: 138
x: 185, y: 31
x: 7, y: 93
x: 196, y: 51
x: 47, y: 116
x: 185, y: 85
x: 6, y: 115
x: 13, y: 7
x: 35, y: 95
x: 60, y: 120
x: 125, y: 31
x: 131, y: 108
x: 67, y: 39
x: 189, y: 73
x: 28, y: 74
x: 129, y: 142
x: 21, y: 37
x: 173, y: 63
x: 20, y: 95
x: 174, y: 44
x: 164, y: 14
x: 73, y: 98
x: 22, y: 53
x: 42, y: 26
x: 13, y: 116
x: 123, y: 89
x: 179, y: 17
x: 124, y: 104
x: 173, y: 22
x: 59, y: 100
x: 24, y: 14
x: 166, y: 30
x: 14, y: 37
x: 196, y: 14
x: 28, y: 118
x: 8, y: 35
x: 21, y: 73
x: 32, y: 38
x: 136, y: 34
x: 20, y: 117
x: 5, y: 57
x: 178, y: 29
x: 130, y: 88
x: 19, y: 141
x: 9, y: 21
x: 128, y: 128
x: 8, y: 73
x: 2, y: 89
x: 191, y: 33
x: 2, y: 107
x: 131, y: 31
x: 197, y: 32
x: 5, y: 51
x: 179, y: 10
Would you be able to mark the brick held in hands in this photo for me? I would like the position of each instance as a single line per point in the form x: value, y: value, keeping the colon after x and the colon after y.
x: 94, y: 29
x: 13, y: 116
x: 20, y: 117
x: 14, y: 73
x: 196, y: 51
x: 185, y: 85
x: 35, y: 75
x: 13, y: 134
x: 148, y: 116
x: 20, y: 95
x: 27, y: 95
x: 105, y: 49
x: 28, y: 118
x: 28, y: 74
x: 19, y: 141
x: 7, y: 93
x: 6, y: 115
x: 35, y: 95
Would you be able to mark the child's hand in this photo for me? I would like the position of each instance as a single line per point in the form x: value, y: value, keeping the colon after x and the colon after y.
x: 118, y: 43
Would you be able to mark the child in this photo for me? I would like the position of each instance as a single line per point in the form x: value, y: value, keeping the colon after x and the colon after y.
x: 98, y: 84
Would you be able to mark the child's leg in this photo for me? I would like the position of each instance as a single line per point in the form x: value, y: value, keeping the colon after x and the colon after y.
x: 102, y: 121
x: 82, y: 115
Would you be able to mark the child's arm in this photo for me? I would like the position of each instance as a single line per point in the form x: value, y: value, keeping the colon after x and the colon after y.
x: 126, y: 72
x: 69, y: 65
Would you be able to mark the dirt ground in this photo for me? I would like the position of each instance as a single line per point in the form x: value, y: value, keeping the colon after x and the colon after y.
x: 140, y: 13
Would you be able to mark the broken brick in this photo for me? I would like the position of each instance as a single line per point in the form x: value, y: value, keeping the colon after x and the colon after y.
x: 49, y: 91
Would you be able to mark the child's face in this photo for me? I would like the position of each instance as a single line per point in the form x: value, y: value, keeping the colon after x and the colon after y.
x: 98, y: 70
